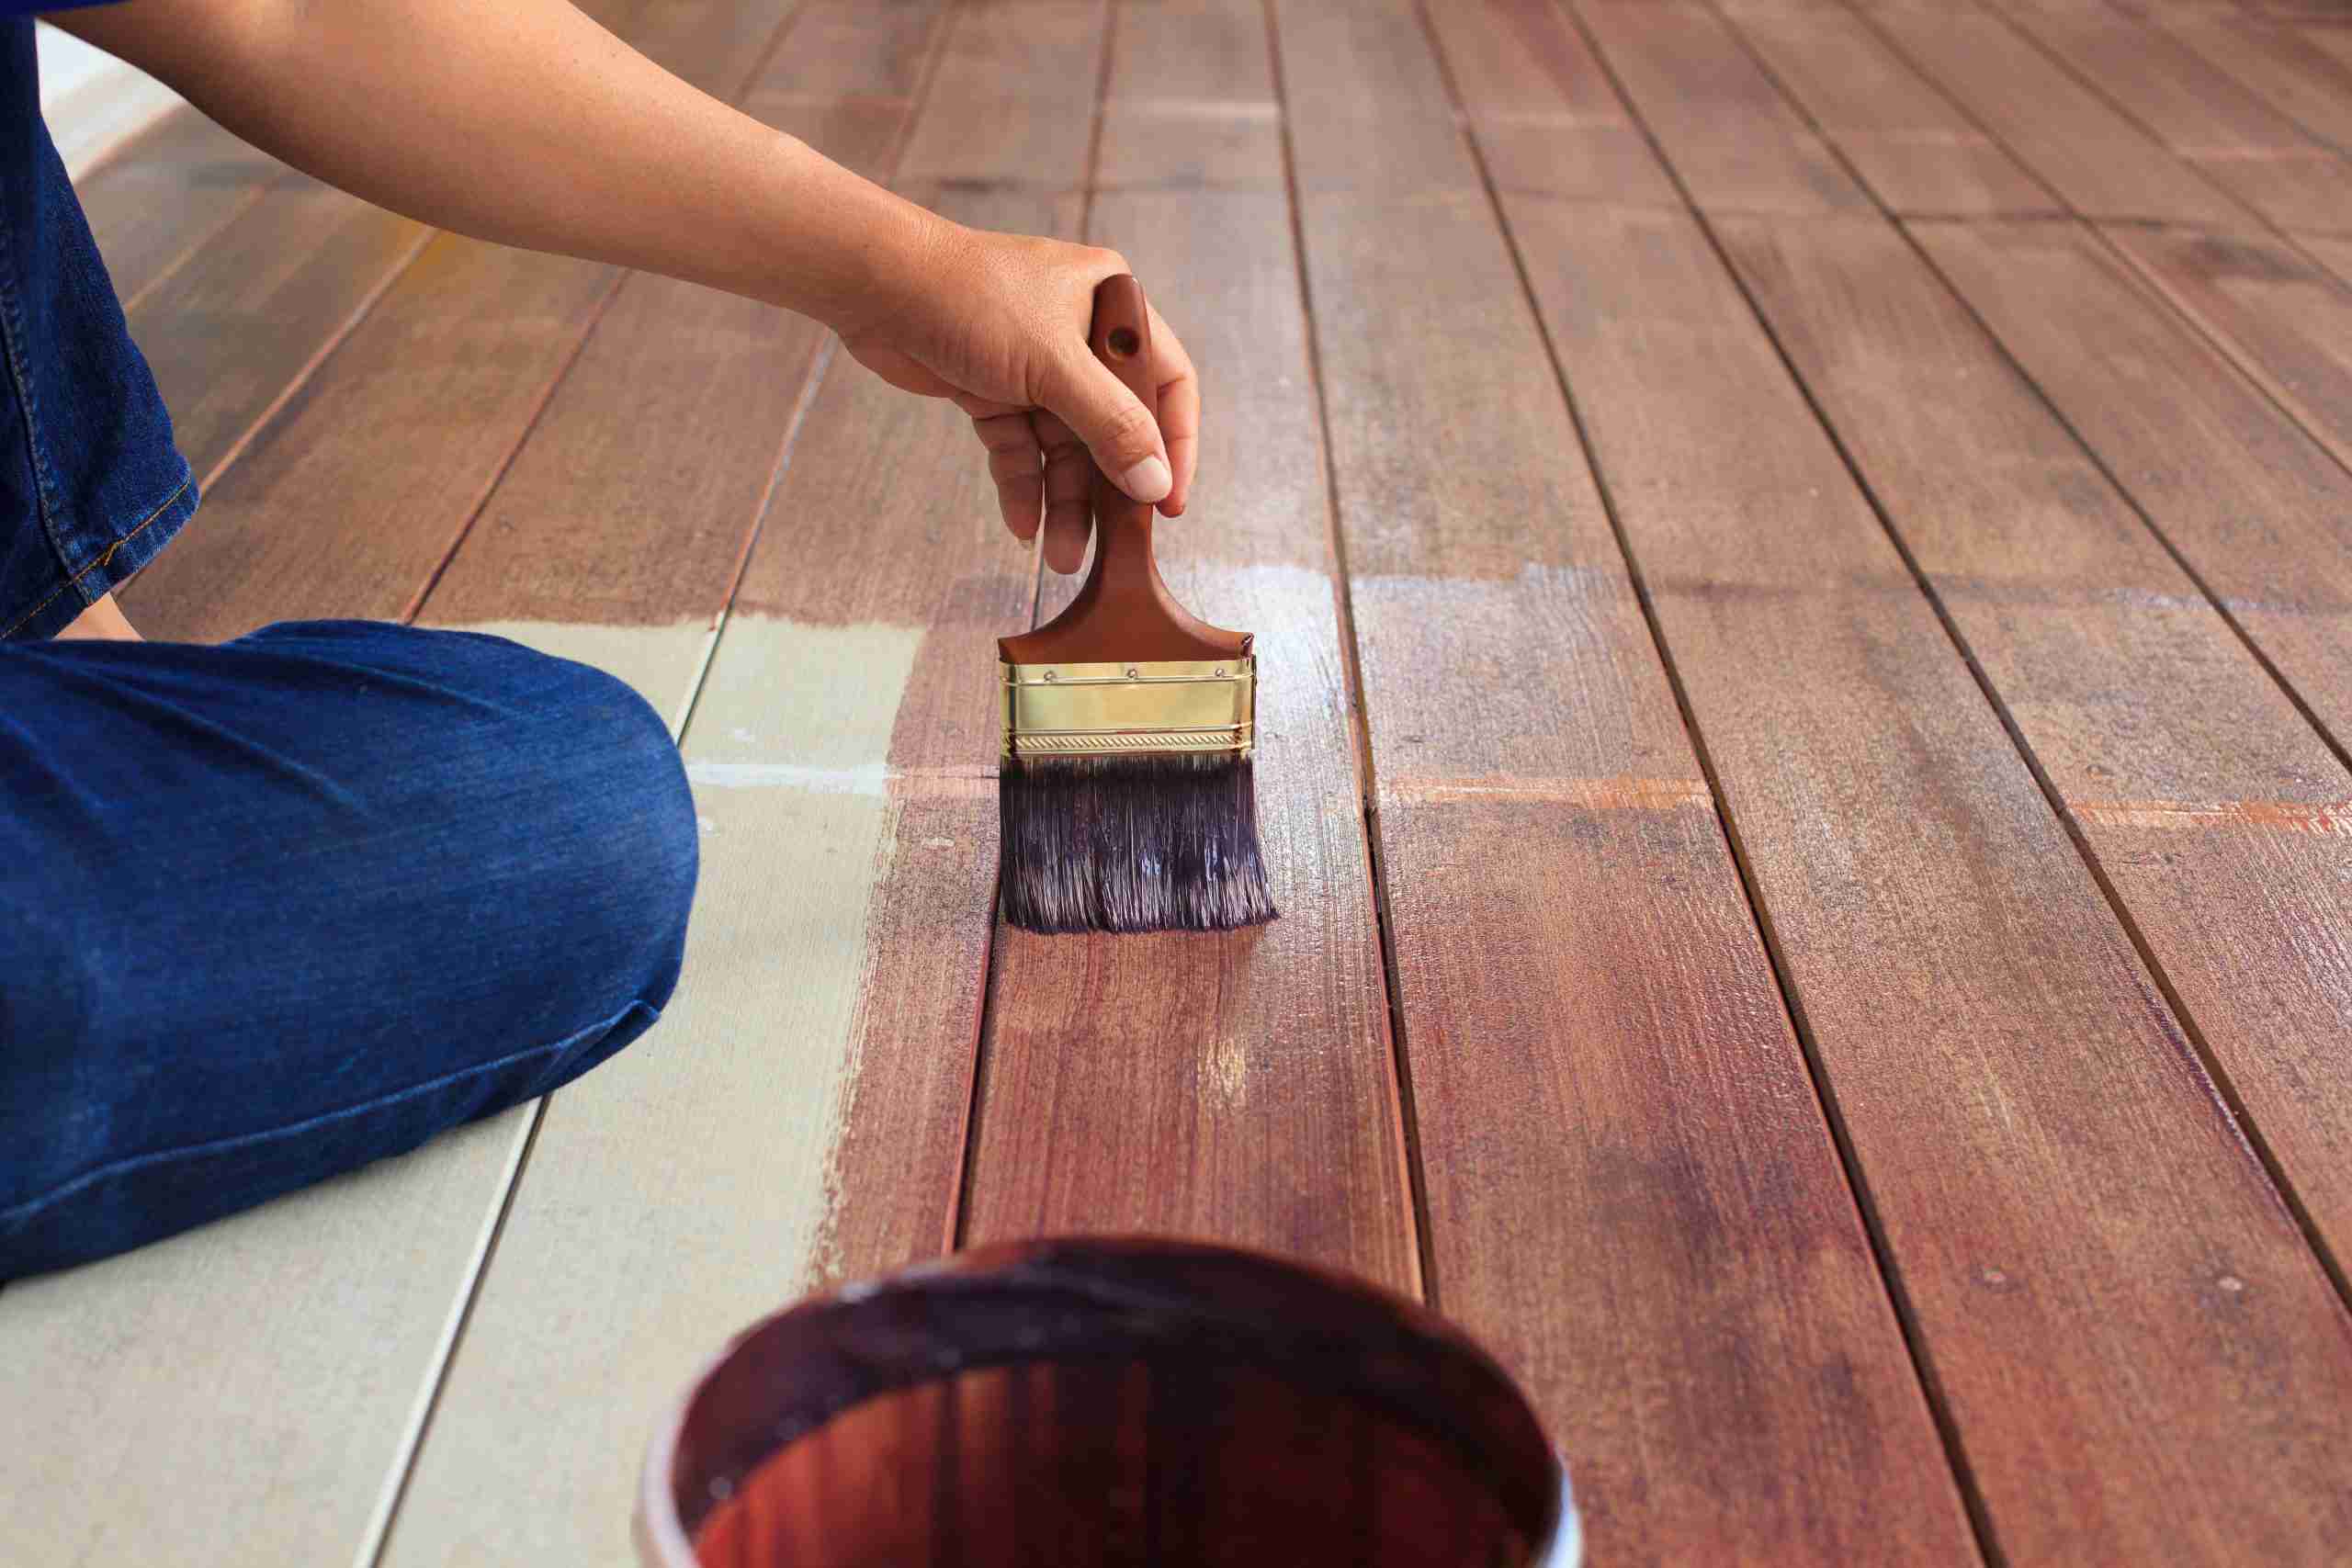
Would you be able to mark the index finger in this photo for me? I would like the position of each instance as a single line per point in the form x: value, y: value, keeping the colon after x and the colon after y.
x: 1179, y: 411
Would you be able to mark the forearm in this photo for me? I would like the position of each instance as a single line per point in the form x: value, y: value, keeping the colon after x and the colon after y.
x: 522, y: 121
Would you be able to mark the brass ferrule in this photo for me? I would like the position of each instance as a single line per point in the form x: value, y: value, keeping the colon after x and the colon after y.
x: 1077, y: 710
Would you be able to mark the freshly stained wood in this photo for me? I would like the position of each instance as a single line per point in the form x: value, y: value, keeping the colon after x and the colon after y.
x: 1185, y: 1083
x: 156, y: 199
x: 2218, y: 127
x: 1191, y: 99
x: 1546, y: 116
x: 2279, y: 65
x: 2213, y: 807
x: 2064, y: 1200
x: 1915, y: 148
x: 2336, y: 253
x: 1722, y: 124
x: 2284, y: 320
x: 1631, y: 1196
x: 2254, y: 504
x: 2104, y: 166
x: 230, y: 332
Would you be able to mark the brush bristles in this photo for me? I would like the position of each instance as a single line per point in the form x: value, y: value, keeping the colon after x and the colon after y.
x: 1158, y: 842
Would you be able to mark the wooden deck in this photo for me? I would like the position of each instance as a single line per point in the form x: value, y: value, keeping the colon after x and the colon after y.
x: 1804, y: 557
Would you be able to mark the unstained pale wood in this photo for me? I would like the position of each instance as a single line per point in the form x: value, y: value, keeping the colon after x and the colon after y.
x: 2213, y: 809
x: 1631, y: 1193
x: 2061, y: 1195
x: 2253, y: 504
x: 1238, y: 1086
x: 1913, y: 145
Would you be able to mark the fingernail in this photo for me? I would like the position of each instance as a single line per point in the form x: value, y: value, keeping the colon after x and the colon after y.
x: 1148, y: 480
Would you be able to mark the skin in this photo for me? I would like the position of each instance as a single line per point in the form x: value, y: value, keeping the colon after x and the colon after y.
x: 526, y: 123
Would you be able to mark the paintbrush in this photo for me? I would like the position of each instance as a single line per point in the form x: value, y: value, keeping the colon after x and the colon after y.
x: 1126, y: 790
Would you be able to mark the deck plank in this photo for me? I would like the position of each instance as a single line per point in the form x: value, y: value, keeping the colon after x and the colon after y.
x: 161, y: 195
x: 2279, y: 65
x: 2103, y: 164
x: 2061, y: 1192
x: 2213, y: 808
x: 289, y: 276
x: 1022, y: 77
x: 798, y: 1021
x: 1587, y: 1011
x: 1547, y: 118
x: 2212, y: 122
x: 2284, y: 320
x: 1910, y: 144
x: 1236, y: 1086
x: 1724, y: 125
x: 278, y: 1439
x: 2253, y: 504
x: 2334, y: 253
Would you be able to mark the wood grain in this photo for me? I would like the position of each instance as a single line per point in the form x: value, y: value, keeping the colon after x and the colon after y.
x: 1587, y: 1012
x: 2335, y: 253
x: 326, y: 513
x: 2103, y: 165
x: 2283, y: 321
x: 2061, y: 1192
x: 1724, y: 125
x: 1016, y: 91
x: 1912, y: 145
x: 2277, y: 65
x: 2212, y: 122
x: 164, y: 193
x: 2254, y: 504
x: 1546, y: 116
x: 231, y: 331
x: 2207, y: 800
x: 1238, y: 1086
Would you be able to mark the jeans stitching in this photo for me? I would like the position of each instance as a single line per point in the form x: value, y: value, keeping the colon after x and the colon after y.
x: 32, y: 1206
x: 12, y: 330
x: 104, y: 557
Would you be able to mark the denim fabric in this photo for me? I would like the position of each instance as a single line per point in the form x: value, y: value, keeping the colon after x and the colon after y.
x: 91, y: 485
x: 273, y: 910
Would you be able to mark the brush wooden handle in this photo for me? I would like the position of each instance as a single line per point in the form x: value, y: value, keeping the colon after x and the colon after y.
x: 1123, y: 611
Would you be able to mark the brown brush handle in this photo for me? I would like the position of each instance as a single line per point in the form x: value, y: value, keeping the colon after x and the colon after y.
x: 1123, y: 611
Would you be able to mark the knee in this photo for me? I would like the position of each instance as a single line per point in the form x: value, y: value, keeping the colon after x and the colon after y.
x: 626, y: 833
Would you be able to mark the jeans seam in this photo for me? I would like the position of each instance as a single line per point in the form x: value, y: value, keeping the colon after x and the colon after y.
x: 103, y: 556
x: 32, y: 1206
x: 12, y: 330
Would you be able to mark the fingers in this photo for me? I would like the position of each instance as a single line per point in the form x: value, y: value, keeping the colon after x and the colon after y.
x: 1180, y: 411
x: 1083, y: 393
x: 1070, y: 513
x: 1013, y: 464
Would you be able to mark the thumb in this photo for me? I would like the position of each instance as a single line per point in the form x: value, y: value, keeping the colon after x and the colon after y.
x: 1119, y: 432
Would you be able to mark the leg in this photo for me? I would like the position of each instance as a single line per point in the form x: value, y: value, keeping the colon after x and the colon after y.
x: 273, y: 910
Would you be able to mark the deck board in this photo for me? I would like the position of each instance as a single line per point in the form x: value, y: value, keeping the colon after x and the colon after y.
x: 1238, y: 1086
x: 1587, y: 827
x: 2251, y: 502
x: 2213, y: 124
x: 2080, y: 146
x: 1587, y: 1011
x: 1972, y: 1001
x: 2208, y: 803
x: 1912, y: 146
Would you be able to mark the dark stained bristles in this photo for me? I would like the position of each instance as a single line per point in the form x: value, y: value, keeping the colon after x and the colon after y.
x: 1155, y: 842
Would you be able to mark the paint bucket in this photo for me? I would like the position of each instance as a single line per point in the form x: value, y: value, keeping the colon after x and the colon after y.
x: 1104, y: 1403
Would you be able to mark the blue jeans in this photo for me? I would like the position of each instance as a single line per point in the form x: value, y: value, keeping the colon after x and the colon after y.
x: 273, y: 910
x: 91, y: 484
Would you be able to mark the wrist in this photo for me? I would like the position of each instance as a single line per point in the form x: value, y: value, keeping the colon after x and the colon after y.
x: 863, y: 258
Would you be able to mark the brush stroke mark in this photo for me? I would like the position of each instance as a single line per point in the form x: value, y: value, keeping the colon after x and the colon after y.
x: 2324, y: 819
x: 1623, y: 793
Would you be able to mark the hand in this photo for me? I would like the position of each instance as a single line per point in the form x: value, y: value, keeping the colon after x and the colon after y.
x: 998, y: 325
